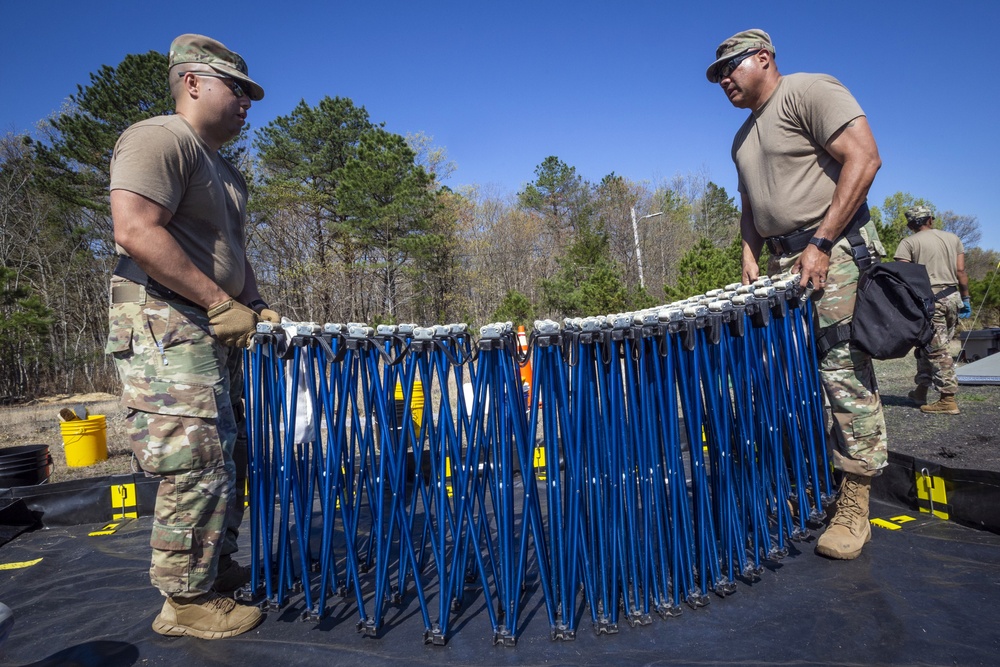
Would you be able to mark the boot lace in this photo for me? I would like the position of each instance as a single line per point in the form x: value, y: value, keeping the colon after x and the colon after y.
x: 222, y: 604
x: 848, y: 508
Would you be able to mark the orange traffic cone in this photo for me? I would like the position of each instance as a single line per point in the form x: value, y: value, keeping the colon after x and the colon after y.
x: 522, y: 348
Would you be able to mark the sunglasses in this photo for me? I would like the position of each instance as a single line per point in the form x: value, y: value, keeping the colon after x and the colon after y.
x: 228, y: 81
x: 728, y: 67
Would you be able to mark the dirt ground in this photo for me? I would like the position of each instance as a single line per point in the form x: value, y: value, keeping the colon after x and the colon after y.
x: 968, y: 440
x: 37, y: 423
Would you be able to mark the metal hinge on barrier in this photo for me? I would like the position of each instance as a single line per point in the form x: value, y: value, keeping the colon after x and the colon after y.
x: 931, y: 494
x: 123, y: 502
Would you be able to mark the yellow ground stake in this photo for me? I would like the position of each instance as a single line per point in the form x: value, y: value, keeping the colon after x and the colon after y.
x: 21, y: 565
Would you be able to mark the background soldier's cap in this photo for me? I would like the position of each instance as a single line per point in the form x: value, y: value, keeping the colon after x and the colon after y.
x: 192, y: 48
x: 918, y: 213
x: 739, y: 43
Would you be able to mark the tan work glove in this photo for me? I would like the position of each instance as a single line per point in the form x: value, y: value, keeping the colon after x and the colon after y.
x: 268, y: 315
x: 232, y: 323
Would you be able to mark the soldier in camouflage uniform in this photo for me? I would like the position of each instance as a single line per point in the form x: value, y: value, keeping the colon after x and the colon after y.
x: 943, y: 255
x: 806, y: 158
x: 184, y: 304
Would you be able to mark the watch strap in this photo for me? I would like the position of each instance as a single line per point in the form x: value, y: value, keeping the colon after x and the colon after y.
x: 826, y: 245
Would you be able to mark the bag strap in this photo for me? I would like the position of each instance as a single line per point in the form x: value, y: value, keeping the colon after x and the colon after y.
x: 831, y: 338
x: 859, y: 249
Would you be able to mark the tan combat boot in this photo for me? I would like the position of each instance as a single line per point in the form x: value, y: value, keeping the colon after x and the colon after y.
x: 208, y: 616
x: 946, y: 405
x: 849, y: 529
x: 919, y: 395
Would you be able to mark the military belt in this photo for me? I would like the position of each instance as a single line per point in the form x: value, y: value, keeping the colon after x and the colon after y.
x: 795, y: 242
x: 129, y: 270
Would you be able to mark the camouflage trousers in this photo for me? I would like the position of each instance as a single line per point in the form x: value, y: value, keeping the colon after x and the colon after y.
x: 183, y: 393
x: 857, y: 423
x: 935, y: 365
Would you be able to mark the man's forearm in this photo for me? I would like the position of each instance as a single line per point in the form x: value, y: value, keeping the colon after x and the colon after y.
x: 850, y: 193
x: 158, y: 254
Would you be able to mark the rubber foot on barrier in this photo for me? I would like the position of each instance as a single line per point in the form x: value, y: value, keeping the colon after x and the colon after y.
x: 314, y: 566
x: 249, y: 595
x: 504, y: 637
x: 725, y: 587
x: 296, y: 588
x: 275, y: 605
x: 777, y: 554
x: 561, y: 631
x: 752, y: 573
x: 341, y: 591
x: 367, y: 628
x: 800, y: 534
x: 310, y: 615
x: 470, y: 577
x: 456, y: 605
x: 435, y: 636
x: 637, y: 619
x: 697, y: 600
x: 395, y: 597
x: 668, y: 610
x: 604, y: 626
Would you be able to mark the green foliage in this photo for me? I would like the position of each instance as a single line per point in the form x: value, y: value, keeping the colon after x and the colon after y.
x: 586, y: 283
x: 979, y: 262
x: 437, y: 271
x: 25, y: 323
x: 717, y: 216
x: 516, y: 308
x: 706, y: 267
x: 890, y: 220
x: 984, y: 295
x: 300, y: 154
x: 387, y: 206
x: 76, y: 164
x: 559, y: 195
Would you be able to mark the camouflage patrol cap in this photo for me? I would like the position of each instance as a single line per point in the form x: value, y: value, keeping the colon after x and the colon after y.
x: 916, y: 214
x: 191, y: 48
x: 741, y: 42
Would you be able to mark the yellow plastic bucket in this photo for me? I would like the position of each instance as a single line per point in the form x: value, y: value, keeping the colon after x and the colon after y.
x: 416, y: 402
x: 85, y: 441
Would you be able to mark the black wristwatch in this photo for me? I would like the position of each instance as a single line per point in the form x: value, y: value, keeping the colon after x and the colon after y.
x: 825, y: 245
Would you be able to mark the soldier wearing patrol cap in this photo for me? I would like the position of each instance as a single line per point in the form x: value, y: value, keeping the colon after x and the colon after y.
x: 943, y: 255
x: 805, y: 158
x: 184, y: 303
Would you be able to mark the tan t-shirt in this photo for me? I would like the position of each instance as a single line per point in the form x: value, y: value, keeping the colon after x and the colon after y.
x: 164, y: 160
x: 784, y: 169
x: 938, y: 251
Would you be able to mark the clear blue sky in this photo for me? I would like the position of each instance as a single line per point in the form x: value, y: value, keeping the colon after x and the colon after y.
x: 605, y: 86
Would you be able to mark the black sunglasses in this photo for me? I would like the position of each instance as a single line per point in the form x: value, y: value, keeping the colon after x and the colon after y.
x: 728, y: 67
x: 229, y: 81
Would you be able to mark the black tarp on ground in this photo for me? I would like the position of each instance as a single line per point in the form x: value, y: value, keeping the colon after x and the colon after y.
x: 926, y: 594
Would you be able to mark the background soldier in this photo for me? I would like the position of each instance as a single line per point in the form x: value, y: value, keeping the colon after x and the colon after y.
x: 942, y: 254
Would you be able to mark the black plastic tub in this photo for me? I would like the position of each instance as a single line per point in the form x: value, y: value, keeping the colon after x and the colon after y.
x: 25, y: 465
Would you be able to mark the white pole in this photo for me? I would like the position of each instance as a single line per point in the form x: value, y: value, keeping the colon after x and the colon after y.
x: 635, y: 234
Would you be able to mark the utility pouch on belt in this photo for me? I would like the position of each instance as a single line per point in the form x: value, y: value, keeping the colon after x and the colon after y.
x: 129, y: 270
